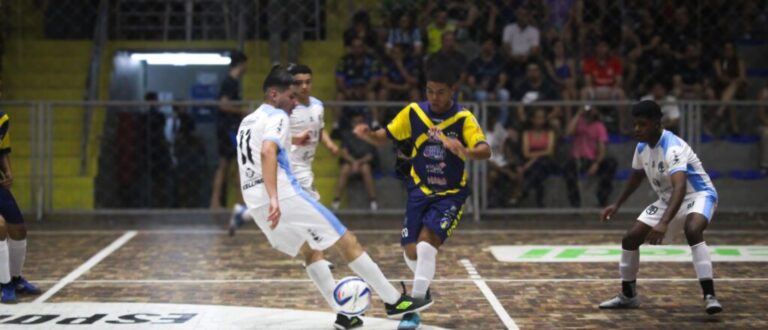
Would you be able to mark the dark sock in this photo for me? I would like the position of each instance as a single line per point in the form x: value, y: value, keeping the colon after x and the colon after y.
x: 628, y: 288
x: 707, y: 287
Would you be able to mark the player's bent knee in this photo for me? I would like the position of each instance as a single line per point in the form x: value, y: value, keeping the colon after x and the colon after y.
x: 631, y: 242
x: 410, y: 251
x: 17, y: 231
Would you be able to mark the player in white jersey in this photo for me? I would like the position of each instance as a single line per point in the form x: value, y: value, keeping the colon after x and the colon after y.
x: 290, y: 218
x: 307, y: 129
x: 685, y: 194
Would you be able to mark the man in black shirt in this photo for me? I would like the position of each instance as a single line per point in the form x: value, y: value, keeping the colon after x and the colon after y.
x: 228, y: 121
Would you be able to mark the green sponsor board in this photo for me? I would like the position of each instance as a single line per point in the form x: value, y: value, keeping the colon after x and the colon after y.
x: 611, y: 253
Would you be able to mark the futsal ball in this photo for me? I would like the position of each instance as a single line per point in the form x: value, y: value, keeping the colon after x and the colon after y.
x: 352, y: 296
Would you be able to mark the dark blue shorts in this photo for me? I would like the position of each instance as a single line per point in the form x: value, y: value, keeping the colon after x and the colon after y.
x: 9, y: 209
x: 441, y: 214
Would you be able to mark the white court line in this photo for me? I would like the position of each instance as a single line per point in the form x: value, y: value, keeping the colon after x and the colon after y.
x: 376, y: 231
x: 407, y: 280
x: 475, y: 277
x: 93, y: 261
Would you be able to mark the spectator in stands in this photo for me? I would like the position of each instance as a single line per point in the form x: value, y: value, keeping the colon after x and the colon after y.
x: 521, y: 42
x: 406, y: 34
x: 464, y: 14
x: 562, y: 70
x: 537, y: 88
x: 763, y: 115
x: 189, y: 151
x: 451, y: 54
x: 486, y: 77
x: 156, y: 162
x: 285, y: 15
x: 669, y: 108
x: 603, y: 79
x: 650, y: 61
x: 400, y: 76
x: 505, y: 170
x: 679, y: 34
x: 357, y: 76
x: 588, y: 155
x: 692, y: 76
x: 538, y: 153
x: 731, y: 81
x: 357, y: 159
x: 361, y: 29
x: 437, y: 28
x: 227, y: 123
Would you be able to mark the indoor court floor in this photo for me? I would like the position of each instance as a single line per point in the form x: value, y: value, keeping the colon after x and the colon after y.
x: 497, y: 274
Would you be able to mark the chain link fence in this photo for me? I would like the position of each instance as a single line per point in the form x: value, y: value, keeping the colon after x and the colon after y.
x: 564, y: 56
x: 162, y: 156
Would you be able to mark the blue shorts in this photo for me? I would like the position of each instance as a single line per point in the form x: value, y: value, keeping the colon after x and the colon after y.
x: 9, y: 209
x: 441, y: 214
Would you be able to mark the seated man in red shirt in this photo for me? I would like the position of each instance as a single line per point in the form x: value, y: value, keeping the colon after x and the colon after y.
x: 603, y: 79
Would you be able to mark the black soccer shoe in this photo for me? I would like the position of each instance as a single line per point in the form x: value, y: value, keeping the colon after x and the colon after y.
x: 344, y: 322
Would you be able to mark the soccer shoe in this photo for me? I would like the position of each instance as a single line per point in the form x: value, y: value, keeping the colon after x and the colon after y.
x: 8, y: 293
x: 236, y: 220
x: 406, y: 304
x: 711, y: 305
x: 344, y: 322
x: 621, y: 302
x: 23, y: 286
x: 410, y: 321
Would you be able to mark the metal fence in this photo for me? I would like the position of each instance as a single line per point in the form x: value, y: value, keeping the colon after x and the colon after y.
x: 142, y: 156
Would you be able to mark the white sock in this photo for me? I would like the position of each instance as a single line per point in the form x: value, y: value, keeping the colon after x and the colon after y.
x: 319, y: 272
x: 411, y: 263
x: 364, y: 267
x: 629, y: 265
x: 5, y: 275
x: 425, y: 268
x: 17, y: 253
x: 702, y: 261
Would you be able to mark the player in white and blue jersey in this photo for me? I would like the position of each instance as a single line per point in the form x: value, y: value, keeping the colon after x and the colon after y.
x: 292, y: 220
x: 685, y: 194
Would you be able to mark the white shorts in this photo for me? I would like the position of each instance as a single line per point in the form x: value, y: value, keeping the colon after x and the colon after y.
x: 302, y: 220
x: 701, y: 203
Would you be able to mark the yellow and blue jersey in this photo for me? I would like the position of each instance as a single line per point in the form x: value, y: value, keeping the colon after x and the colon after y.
x: 5, y: 136
x: 435, y: 170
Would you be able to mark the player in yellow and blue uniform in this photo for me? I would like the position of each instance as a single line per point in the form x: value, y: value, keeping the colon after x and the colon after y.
x: 13, y: 233
x: 444, y: 135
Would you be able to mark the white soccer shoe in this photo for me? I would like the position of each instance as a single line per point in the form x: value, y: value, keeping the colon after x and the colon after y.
x: 621, y: 302
x: 711, y: 305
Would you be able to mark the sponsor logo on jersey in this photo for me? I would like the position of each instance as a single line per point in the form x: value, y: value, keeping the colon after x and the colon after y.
x: 435, y: 152
x: 437, y: 180
x: 435, y: 168
x: 651, y: 210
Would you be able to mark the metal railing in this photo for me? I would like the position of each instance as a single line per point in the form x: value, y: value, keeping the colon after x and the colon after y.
x: 43, y: 138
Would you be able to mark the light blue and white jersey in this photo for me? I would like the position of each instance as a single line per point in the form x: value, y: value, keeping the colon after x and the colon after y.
x: 671, y: 155
x: 267, y: 123
x: 306, y: 117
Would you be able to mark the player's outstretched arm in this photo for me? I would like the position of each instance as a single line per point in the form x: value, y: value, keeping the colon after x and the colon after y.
x: 328, y: 143
x: 634, y: 181
x: 269, y: 171
x: 377, y: 137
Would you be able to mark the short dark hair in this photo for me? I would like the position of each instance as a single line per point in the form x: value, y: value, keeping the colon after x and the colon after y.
x: 647, y: 109
x: 236, y: 58
x: 295, y: 69
x: 278, y: 78
x: 439, y: 70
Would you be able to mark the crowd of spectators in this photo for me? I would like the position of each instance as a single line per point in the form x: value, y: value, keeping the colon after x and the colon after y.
x: 527, y: 51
